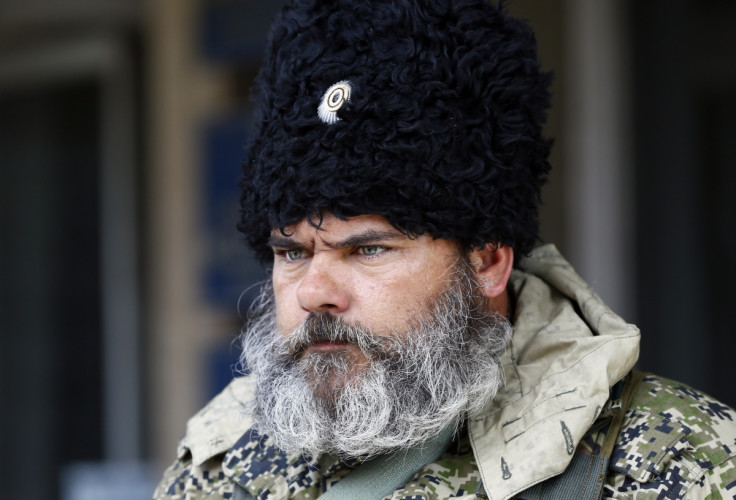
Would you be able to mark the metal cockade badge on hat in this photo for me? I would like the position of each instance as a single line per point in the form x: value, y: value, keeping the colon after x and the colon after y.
x: 337, y: 95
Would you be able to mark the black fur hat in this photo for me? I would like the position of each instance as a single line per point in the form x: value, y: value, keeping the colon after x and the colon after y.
x: 426, y: 112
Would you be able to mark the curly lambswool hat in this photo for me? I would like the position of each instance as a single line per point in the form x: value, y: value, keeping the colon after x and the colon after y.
x: 428, y: 113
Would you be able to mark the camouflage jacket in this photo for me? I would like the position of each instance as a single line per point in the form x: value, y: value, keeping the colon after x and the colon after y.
x: 568, y: 350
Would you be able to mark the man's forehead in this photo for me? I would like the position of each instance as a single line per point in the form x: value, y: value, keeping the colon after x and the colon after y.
x: 330, y: 227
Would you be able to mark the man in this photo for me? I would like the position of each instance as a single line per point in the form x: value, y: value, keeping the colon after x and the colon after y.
x: 412, y: 343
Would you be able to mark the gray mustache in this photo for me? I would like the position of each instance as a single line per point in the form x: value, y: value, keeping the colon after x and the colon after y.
x: 327, y: 327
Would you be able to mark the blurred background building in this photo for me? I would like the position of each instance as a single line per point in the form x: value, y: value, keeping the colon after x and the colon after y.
x: 122, y: 126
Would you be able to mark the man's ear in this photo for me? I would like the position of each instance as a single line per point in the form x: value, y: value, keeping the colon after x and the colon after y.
x: 493, y: 264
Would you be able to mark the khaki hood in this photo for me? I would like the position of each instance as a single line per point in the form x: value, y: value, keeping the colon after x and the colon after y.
x: 567, y: 350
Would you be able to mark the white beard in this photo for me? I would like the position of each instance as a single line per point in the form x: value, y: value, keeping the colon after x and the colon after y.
x: 441, y: 370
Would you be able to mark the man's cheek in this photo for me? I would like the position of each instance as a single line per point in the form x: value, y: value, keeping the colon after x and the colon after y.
x: 289, y: 315
x: 285, y: 323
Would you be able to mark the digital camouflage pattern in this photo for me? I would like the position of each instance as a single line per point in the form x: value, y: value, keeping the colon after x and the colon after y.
x: 676, y: 443
x: 568, y: 349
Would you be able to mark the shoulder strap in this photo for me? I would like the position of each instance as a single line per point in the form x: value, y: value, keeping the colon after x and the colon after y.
x: 619, y: 405
x: 380, y: 476
x: 241, y: 493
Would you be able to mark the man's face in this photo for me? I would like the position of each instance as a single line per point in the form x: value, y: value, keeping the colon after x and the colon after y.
x: 369, y: 341
x: 362, y: 270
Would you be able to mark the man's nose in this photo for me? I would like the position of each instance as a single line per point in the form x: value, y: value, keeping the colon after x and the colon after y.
x: 322, y: 289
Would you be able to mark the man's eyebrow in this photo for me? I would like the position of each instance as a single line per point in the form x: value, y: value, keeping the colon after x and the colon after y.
x: 281, y: 241
x: 367, y: 237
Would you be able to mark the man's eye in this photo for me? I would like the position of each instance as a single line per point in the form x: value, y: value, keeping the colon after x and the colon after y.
x: 371, y: 250
x: 294, y: 254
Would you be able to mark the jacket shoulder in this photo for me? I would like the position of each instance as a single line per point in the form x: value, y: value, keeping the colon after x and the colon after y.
x: 675, y: 442
x: 185, y: 481
x: 197, y: 471
x: 219, y: 425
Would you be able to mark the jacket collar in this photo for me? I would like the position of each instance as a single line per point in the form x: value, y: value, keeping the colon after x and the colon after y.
x: 220, y: 424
